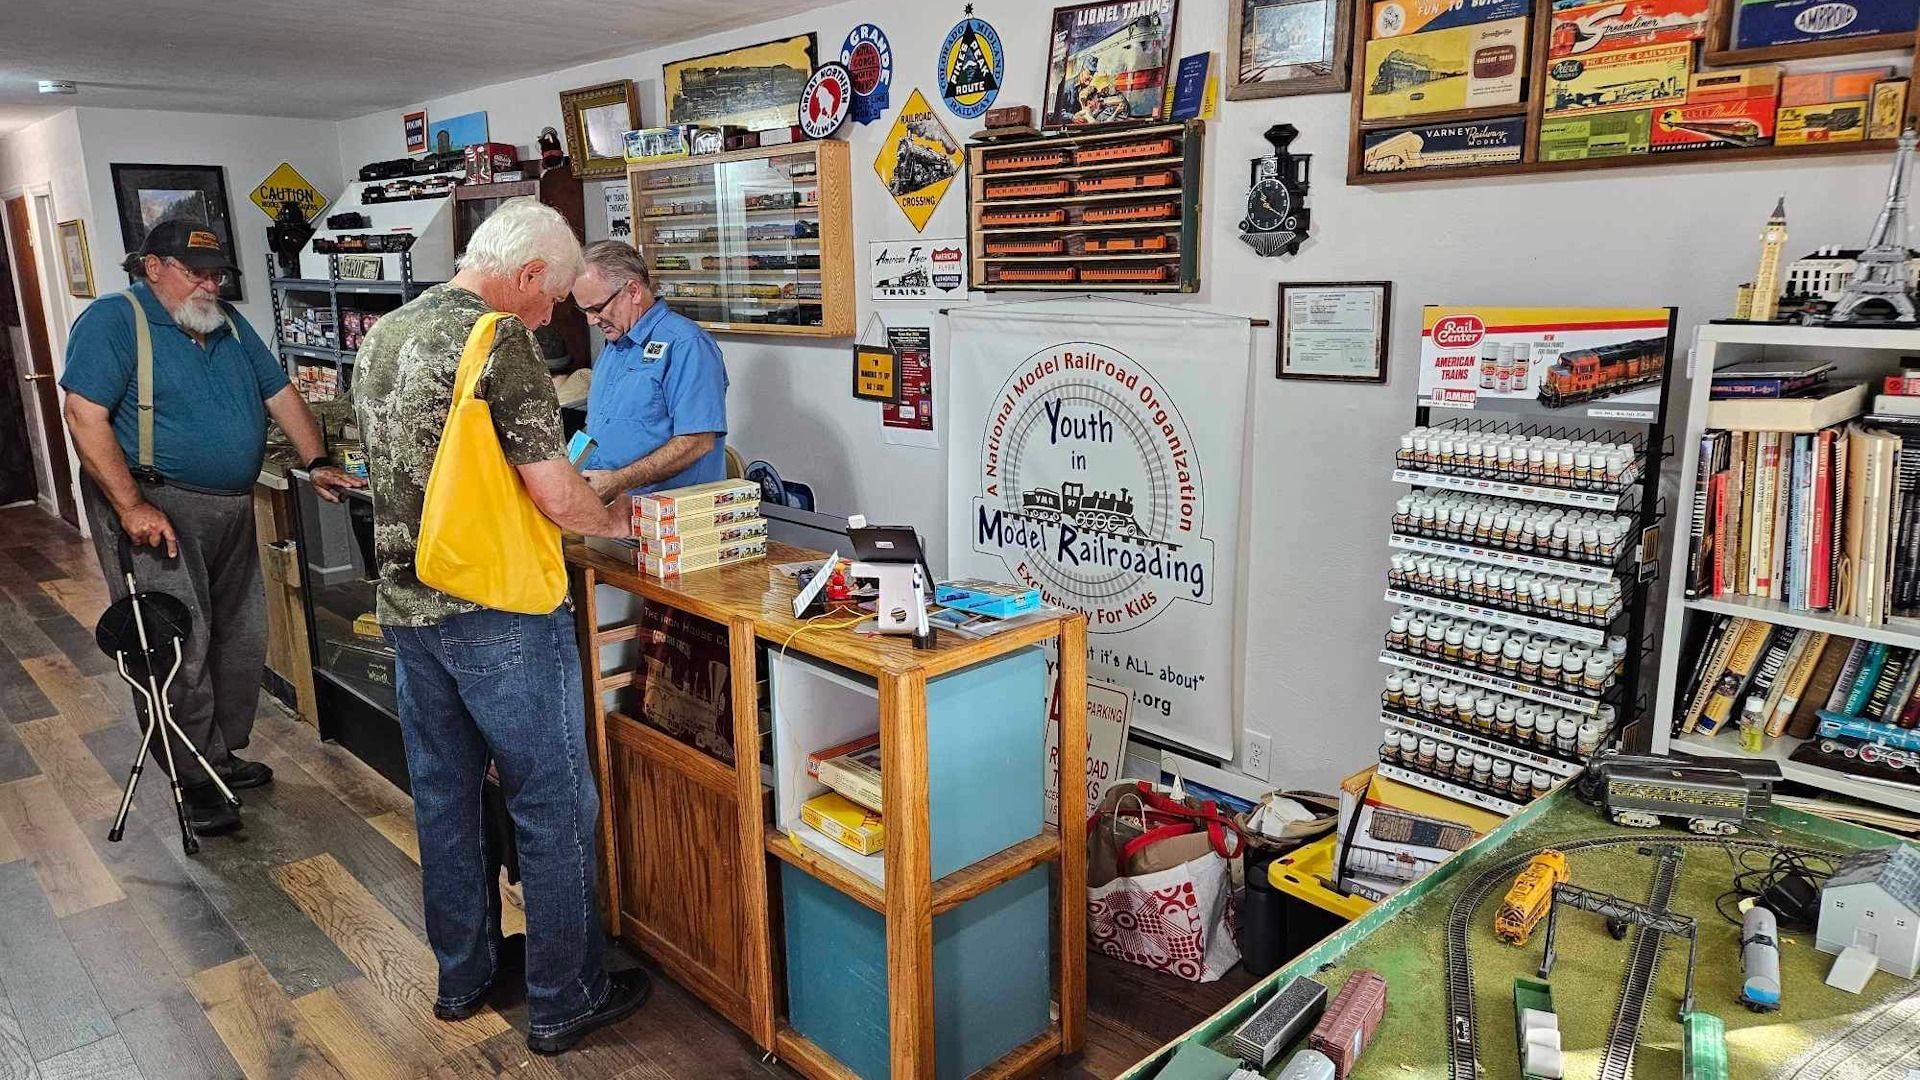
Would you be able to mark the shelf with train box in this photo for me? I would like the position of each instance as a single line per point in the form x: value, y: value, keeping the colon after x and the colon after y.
x: 1449, y: 89
x: 1794, y: 610
x: 1111, y: 209
x: 1519, y: 560
x: 752, y: 241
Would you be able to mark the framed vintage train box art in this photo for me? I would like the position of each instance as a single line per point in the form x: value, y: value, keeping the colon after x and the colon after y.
x: 1650, y: 76
x: 1581, y: 26
x: 1398, y: 18
x: 1596, y: 135
x: 1761, y: 23
x: 1462, y: 67
x: 1444, y: 146
x: 1611, y: 361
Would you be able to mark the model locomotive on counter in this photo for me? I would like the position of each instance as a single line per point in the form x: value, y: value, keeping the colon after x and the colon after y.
x: 1711, y: 795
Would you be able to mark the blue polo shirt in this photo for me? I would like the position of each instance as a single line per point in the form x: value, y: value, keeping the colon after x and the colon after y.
x: 662, y: 378
x: 209, y: 403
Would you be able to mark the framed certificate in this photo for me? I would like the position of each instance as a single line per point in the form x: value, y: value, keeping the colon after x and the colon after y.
x: 1334, y: 331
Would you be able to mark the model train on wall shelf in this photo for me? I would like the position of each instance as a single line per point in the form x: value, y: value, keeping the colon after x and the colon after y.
x: 1000, y: 219
x: 1103, y: 215
x: 1604, y: 370
x: 1028, y: 189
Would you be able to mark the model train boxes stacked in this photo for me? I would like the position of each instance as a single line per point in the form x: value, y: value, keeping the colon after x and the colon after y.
x: 699, y: 527
x: 1532, y: 894
x: 1601, y: 104
x: 1430, y: 57
x: 1538, y: 1028
x: 1444, y: 146
x: 1826, y: 106
x: 1725, y: 108
x: 1401, y: 832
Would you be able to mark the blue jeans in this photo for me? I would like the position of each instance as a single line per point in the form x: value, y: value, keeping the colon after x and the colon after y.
x: 506, y: 686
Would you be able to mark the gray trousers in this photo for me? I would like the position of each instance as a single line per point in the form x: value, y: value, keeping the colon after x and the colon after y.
x: 217, y: 575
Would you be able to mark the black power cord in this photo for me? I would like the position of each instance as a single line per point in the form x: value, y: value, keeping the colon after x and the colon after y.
x: 1787, y: 884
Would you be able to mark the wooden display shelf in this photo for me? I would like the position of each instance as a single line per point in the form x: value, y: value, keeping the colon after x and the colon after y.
x: 679, y: 822
x: 1064, y: 257
x: 1714, y: 53
x: 832, y: 179
x: 1188, y: 138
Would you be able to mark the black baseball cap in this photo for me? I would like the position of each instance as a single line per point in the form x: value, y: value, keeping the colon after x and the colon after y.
x: 192, y: 242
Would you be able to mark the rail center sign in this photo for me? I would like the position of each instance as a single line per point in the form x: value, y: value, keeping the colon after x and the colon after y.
x: 286, y: 185
x: 1106, y: 473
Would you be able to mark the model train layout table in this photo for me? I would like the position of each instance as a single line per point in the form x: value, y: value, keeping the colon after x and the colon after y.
x: 1434, y: 942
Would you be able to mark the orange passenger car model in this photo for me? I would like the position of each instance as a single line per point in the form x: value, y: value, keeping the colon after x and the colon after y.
x: 1532, y: 894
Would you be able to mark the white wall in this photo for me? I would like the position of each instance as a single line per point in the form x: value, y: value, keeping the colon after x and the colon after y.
x: 1684, y: 235
x: 248, y: 147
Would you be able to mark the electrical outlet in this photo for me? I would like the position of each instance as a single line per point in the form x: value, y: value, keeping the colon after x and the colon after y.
x: 1259, y: 755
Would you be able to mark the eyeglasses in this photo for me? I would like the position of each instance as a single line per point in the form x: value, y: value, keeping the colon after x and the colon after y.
x: 199, y: 276
x: 593, y: 311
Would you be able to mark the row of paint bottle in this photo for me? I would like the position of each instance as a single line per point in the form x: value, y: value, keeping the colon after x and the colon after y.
x: 1577, y: 464
x: 1540, y: 659
x: 1491, y: 714
x: 1548, y: 596
x: 1489, y: 521
x: 1483, y: 772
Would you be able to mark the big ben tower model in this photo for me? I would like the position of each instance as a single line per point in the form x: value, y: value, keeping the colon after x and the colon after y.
x: 1766, y: 280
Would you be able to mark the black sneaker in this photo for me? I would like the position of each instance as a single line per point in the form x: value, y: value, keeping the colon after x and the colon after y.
x: 626, y: 992
x: 208, y: 811
x: 509, y: 970
x: 240, y: 775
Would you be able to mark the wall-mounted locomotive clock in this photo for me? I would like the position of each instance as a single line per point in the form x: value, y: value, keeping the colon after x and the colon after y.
x: 1277, y: 214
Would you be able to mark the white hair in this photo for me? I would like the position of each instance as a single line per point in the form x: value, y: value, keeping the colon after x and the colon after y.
x: 524, y: 230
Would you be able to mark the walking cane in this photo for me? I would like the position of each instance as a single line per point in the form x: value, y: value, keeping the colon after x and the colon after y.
x: 144, y: 624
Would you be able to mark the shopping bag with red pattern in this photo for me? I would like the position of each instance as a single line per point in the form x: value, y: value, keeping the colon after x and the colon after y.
x: 1159, y: 888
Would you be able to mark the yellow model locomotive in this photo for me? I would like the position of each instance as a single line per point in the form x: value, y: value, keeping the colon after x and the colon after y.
x: 1532, y: 894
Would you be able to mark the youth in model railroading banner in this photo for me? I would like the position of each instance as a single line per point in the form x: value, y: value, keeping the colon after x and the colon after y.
x: 1097, y: 452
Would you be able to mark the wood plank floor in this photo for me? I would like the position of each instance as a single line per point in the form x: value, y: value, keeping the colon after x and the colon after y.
x: 295, y: 948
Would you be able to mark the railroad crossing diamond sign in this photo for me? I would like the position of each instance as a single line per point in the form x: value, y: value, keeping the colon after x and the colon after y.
x: 287, y: 185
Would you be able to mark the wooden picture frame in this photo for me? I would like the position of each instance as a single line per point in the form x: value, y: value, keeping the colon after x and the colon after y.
x: 74, y: 258
x: 1341, y: 350
x: 1064, y: 66
x: 1328, y: 74
x: 589, y: 117
x: 756, y: 87
x: 145, y: 195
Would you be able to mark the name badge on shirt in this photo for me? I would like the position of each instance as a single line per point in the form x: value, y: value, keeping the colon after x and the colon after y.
x: 655, y: 350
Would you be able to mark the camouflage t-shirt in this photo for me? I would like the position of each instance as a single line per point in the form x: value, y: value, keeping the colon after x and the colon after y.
x: 402, y: 391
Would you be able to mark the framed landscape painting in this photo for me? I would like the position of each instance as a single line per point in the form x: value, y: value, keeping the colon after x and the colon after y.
x: 146, y: 195
x: 1278, y: 47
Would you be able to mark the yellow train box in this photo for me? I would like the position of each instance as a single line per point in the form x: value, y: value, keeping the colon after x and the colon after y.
x: 1461, y: 67
x: 1833, y: 122
x: 1625, y: 79
x: 845, y: 822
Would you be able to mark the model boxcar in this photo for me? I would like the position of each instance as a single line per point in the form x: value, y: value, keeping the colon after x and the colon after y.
x: 1703, y: 1051
x: 1532, y: 894
x: 1344, y: 1032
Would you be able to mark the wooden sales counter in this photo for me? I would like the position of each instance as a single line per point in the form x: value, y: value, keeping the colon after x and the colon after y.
x: 832, y: 960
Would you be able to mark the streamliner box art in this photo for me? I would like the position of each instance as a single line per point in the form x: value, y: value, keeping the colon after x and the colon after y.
x: 1641, y: 78
x: 1522, y: 359
x: 1580, y: 26
x: 1600, y: 135
x: 1462, y: 67
x: 1758, y: 23
x: 1444, y: 146
x: 1731, y: 107
x: 1398, y: 18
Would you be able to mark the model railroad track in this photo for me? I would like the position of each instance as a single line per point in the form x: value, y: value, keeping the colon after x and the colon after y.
x: 1463, y: 1059
x: 1879, y: 1049
x: 1643, y: 973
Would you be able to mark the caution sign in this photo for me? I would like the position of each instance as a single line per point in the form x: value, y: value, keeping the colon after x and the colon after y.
x: 287, y: 185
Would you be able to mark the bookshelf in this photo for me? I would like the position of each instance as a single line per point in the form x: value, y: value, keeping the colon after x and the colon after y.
x: 1859, y: 354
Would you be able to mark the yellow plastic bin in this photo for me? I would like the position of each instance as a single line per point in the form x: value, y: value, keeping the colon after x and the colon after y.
x: 1311, y: 909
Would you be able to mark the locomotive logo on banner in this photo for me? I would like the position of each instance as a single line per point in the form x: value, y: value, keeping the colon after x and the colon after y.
x: 918, y: 160
x: 869, y: 59
x: 1106, y: 474
x: 971, y: 67
x: 1608, y: 361
x: 824, y: 105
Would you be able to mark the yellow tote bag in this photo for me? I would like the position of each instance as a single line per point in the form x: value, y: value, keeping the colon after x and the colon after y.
x: 481, y: 537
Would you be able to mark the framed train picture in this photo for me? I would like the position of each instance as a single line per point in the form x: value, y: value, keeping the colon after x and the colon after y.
x: 1108, y: 63
x: 1287, y: 47
x: 756, y: 87
x: 1592, y: 363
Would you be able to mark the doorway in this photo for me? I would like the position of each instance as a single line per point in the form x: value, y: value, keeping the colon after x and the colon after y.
x: 17, y: 481
x: 37, y: 368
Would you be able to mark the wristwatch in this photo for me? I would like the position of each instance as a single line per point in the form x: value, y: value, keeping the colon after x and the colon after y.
x: 322, y: 462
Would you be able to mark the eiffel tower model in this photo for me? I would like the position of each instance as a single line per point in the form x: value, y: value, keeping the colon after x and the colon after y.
x: 1881, y: 273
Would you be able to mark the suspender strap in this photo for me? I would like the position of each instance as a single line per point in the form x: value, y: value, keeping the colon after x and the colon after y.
x: 143, y: 350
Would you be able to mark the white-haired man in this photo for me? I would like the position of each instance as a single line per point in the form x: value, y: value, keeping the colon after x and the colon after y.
x: 168, y: 394
x: 476, y: 684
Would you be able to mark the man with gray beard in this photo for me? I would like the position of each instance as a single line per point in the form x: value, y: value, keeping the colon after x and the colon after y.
x: 168, y: 395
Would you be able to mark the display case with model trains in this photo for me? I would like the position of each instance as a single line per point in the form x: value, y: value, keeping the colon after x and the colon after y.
x: 1099, y: 211
x: 756, y: 241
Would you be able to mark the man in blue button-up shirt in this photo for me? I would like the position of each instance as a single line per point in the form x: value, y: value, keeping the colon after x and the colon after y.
x: 658, y: 407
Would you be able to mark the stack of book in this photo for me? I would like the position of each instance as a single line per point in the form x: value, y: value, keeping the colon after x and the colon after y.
x: 849, y: 811
x: 1824, y: 520
x: 1795, y: 679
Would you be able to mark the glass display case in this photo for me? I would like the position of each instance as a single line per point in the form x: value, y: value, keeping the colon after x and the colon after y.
x: 755, y: 241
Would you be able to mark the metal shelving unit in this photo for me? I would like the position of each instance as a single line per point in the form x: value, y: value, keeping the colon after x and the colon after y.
x: 334, y: 288
x: 1860, y: 353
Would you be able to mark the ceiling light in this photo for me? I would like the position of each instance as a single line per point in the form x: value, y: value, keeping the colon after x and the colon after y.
x: 58, y: 86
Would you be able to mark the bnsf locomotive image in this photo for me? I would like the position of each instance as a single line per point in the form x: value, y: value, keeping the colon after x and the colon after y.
x: 1604, y: 370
